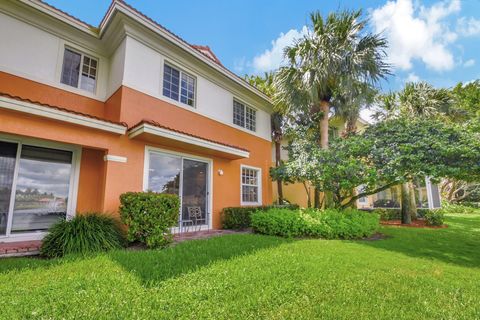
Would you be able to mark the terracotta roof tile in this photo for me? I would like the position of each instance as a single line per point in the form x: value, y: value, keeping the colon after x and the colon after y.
x: 4, y: 94
x: 207, y: 52
x: 158, y: 125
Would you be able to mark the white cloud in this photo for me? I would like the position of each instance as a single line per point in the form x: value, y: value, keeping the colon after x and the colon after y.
x: 272, y: 58
x: 469, y: 63
x: 468, y: 27
x: 239, y: 65
x: 412, y: 77
x: 417, y: 33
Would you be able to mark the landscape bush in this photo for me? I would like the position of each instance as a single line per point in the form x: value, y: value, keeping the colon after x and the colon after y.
x: 388, y: 214
x: 452, y: 208
x: 238, y: 218
x: 149, y: 217
x: 434, y: 217
x: 84, y: 234
x: 327, y: 224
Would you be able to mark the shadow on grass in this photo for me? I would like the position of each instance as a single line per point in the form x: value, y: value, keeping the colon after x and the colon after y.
x: 458, y: 244
x: 155, y: 266
x: 23, y: 263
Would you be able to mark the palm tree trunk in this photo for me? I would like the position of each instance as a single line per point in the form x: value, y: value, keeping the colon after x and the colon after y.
x: 323, y: 124
x: 277, y: 164
x: 323, y: 128
x: 406, y: 210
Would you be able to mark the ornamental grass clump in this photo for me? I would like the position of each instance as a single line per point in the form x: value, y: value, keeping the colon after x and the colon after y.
x: 84, y: 234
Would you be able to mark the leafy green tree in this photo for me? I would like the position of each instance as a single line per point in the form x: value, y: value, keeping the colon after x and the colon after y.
x: 416, y: 100
x: 386, y: 154
x: 336, y: 58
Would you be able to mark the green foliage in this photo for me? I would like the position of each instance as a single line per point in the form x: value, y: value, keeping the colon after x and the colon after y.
x: 327, y: 224
x: 336, y: 58
x: 238, y: 218
x: 386, y: 154
x: 467, y: 102
x: 388, y: 214
x: 451, y: 208
x: 84, y: 234
x: 417, y: 99
x: 149, y: 217
x: 434, y: 217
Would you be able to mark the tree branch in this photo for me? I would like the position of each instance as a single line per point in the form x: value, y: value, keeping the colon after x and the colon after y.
x: 367, y: 193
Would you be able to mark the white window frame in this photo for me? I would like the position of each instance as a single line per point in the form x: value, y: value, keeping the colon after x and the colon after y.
x: 181, y: 72
x: 72, y: 192
x: 259, y: 180
x: 245, y: 107
x: 182, y: 156
x: 82, y: 56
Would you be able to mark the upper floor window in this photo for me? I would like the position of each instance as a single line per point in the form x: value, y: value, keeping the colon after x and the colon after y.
x: 244, y: 116
x: 79, y: 70
x: 178, y: 85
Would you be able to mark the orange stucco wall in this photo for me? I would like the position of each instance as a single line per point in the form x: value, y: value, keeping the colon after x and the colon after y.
x: 100, y: 182
x: 91, y: 181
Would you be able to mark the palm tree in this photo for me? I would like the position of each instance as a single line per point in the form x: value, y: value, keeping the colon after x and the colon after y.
x: 265, y: 84
x: 417, y: 99
x: 336, y: 57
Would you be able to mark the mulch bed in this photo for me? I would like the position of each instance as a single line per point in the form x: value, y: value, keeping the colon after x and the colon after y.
x: 415, y: 224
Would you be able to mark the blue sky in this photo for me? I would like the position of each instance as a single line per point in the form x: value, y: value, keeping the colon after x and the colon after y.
x: 435, y: 41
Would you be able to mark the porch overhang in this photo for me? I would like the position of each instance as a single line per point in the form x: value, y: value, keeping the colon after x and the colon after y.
x: 26, y: 106
x: 159, y: 134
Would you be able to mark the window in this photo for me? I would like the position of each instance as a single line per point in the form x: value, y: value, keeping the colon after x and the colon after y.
x: 178, y: 84
x: 79, y: 70
x: 244, y: 116
x: 251, y: 182
x: 41, y: 187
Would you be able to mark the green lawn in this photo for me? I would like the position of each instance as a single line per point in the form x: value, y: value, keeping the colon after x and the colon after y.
x: 414, y: 274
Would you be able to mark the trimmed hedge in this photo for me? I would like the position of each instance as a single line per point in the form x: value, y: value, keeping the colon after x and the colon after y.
x: 238, y: 218
x: 149, y: 217
x: 327, y: 224
x: 84, y: 234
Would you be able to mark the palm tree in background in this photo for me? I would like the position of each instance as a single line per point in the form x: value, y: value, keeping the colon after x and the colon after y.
x: 265, y: 84
x: 336, y: 58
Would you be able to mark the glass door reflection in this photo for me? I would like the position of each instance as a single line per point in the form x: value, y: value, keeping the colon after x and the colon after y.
x: 194, y: 193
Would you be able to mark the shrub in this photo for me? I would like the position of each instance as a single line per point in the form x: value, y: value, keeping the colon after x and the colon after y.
x: 238, y: 218
x: 328, y: 224
x: 84, y: 234
x: 388, y: 214
x: 448, y: 208
x: 149, y: 217
x: 434, y: 217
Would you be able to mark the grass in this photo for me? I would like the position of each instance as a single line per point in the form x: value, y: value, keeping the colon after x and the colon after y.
x: 414, y: 274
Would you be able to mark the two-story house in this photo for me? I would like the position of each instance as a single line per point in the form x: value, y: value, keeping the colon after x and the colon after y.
x: 88, y: 113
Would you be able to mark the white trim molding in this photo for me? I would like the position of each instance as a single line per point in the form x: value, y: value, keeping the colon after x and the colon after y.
x: 185, y: 138
x: 111, y: 157
x: 51, y: 113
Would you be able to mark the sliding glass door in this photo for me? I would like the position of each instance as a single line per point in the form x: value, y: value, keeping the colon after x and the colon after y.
x: 185, y: 177
x: 35, y: 185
